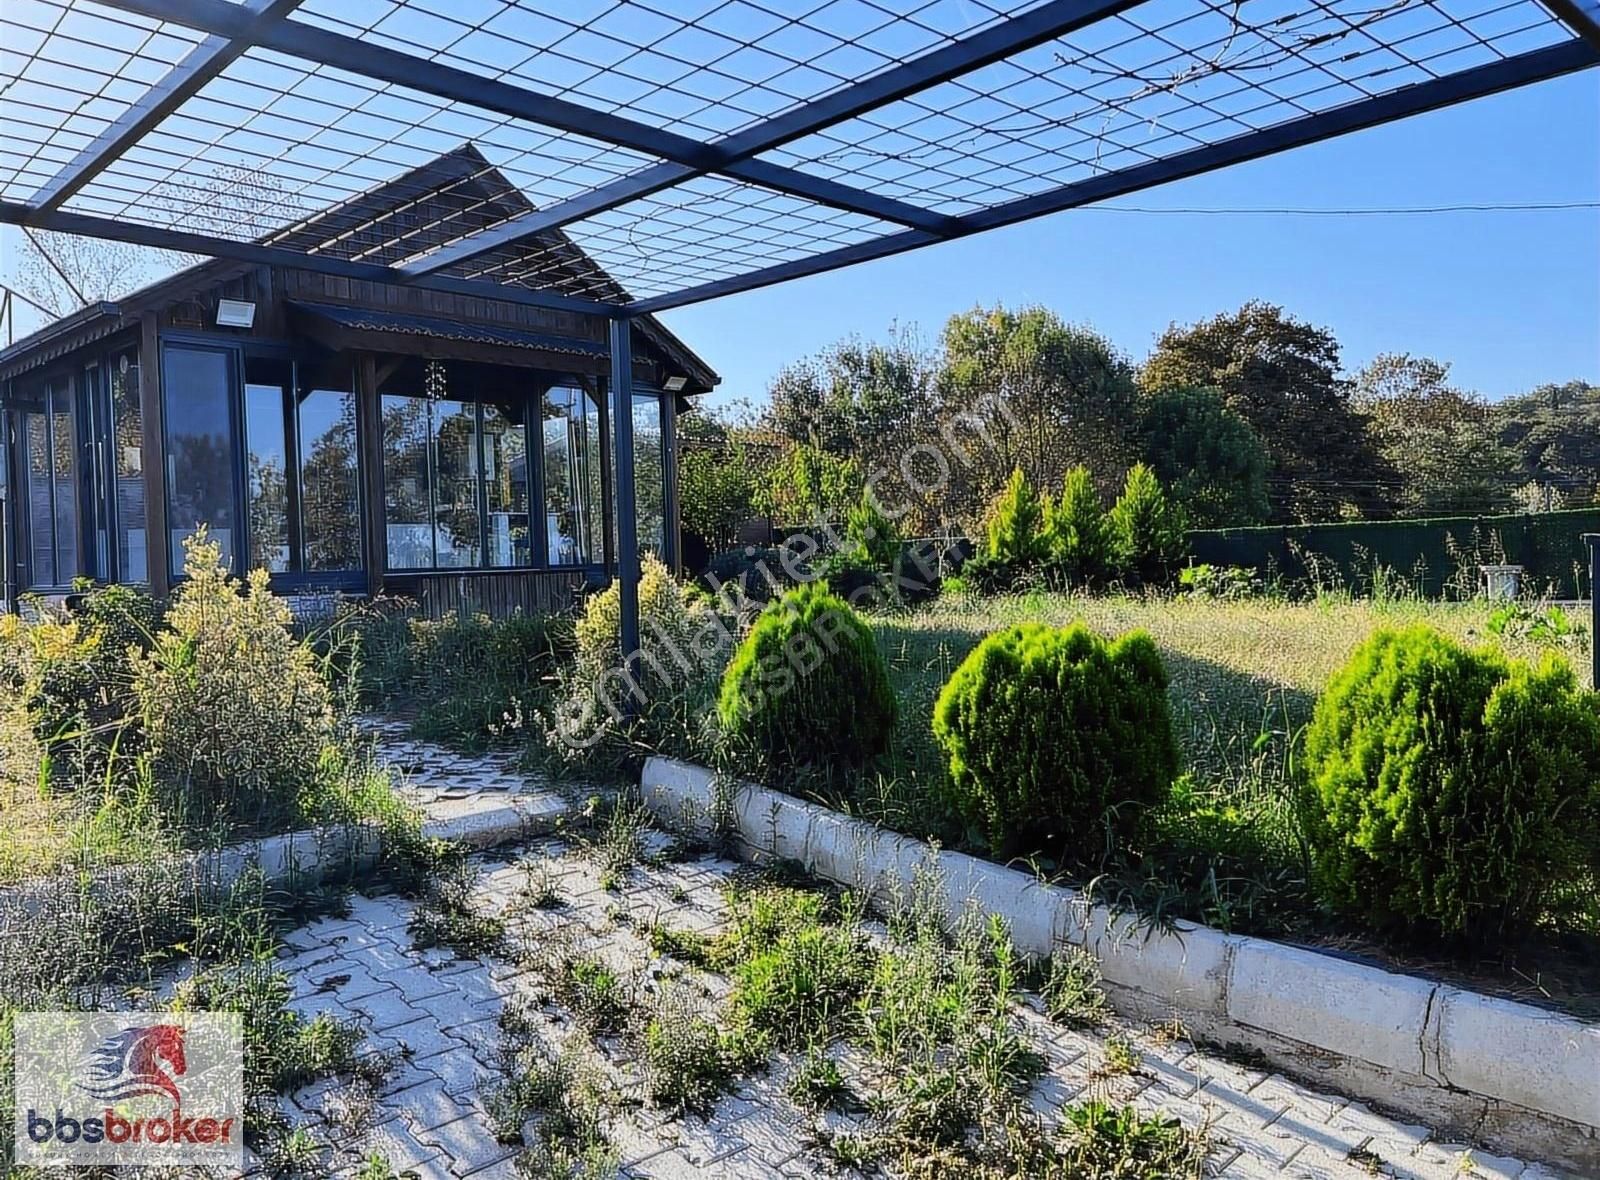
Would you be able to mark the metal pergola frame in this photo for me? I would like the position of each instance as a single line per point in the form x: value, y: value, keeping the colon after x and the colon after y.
x: 230, y: 31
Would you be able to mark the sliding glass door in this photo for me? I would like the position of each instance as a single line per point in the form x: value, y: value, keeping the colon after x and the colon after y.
x: 262, y: 451
x: 202, y: 471
x: 50, y: 486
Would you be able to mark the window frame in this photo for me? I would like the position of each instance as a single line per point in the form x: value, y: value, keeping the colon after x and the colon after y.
x: 241, y: 353
x: 42, y: 396
x: 531, y: 403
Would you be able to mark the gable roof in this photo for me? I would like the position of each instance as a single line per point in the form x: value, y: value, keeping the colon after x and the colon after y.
x: 455, y: 195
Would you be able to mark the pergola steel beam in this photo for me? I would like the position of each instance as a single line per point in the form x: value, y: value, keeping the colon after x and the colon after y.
x: 382, y: 64
x: 203, y: 63
x: 1535, y: 66
x: 1581, y: 16
x: 995, y: 43
x: 185, y: 242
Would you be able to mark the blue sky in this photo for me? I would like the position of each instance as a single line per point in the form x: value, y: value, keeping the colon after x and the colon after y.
x: 1510, y: 299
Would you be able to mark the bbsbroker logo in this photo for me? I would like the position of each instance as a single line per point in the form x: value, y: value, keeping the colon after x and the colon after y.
x: 129, y: 1088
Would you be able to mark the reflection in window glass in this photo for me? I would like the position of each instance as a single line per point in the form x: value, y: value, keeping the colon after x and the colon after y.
x: 97, y: 506
x: 330, y: 482
x: 457, y: 542
x: 41, y: 489
x: 64, y: 446
x: 505, y: 476
x: 267, y: 472
x: 649, y: 474
x: 199, y: 418
x: 50, y: 473
x: 571, y: 476
x: 127, y: 465
x: 407, y: 507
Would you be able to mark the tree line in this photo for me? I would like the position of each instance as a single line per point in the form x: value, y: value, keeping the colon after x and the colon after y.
x: 1246, y: 418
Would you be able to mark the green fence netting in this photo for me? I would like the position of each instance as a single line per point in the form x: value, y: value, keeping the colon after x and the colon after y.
x: 1438, y: 557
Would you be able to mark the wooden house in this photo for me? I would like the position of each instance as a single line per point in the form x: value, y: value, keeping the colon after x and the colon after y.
x: 346, y: 436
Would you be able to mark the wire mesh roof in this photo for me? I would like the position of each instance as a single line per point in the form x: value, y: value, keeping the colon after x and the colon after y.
x: 640, y: 154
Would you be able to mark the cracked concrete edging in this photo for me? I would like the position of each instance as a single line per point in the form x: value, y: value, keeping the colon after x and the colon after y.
x: 302, y: 859
x: 1514, y: 1077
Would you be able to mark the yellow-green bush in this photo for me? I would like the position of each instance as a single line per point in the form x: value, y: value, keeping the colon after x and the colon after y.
x: 671, y: 686
x: 236, y: 710
x: 1452, y: 791
x: 808, y: 684
x: 1054, y: 736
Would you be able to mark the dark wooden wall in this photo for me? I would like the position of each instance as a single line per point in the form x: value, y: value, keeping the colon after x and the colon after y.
x: 495, y: 594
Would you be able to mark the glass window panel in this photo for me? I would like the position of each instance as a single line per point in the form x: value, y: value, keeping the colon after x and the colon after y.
x: 407, y: 507
x: 457, y: 540
x: 96, y: 407
x: 41, y: 514
x: 127, y: 467
x: 505, y: 475
x: 200, y: 467
x: 571, y: 433
x: 330, y: 481
x: 64, y: 446
x: 649, y: 474
x: 266, y: 464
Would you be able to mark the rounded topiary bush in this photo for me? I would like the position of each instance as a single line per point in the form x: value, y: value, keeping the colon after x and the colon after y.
x: 1055, y: 735
x: 1452, y: 791
x: 808, y: 683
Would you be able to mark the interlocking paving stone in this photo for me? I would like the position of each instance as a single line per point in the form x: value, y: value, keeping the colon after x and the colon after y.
x: 444, y: 1010
x: 468, y: 1143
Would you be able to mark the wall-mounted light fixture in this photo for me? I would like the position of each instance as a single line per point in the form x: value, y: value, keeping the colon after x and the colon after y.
x: 235, y: 313
x: 675, y: 384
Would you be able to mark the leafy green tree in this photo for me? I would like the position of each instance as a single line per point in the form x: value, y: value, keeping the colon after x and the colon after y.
x: 1282, y: 376
x: 1022, y: 389
x: 847, y: 398
x: 1015, y: 530
x: 1148, y: 527
x: 869, y: 402
x: 807, y: 484
x: 1209, y: 456
x: 1554, y: 436
x: 1079, y: 532
x: 1440, y: 440
x: 717, y: 478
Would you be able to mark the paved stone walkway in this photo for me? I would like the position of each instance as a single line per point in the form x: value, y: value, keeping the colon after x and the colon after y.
x: 465, y: 796
x: 438, y: 1017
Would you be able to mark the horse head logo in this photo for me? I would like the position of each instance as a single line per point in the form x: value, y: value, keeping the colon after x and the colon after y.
x: 137, y: 1063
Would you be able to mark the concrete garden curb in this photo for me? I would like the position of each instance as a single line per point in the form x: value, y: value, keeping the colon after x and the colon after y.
x: 292, y: 860
x: 1514, y: 1077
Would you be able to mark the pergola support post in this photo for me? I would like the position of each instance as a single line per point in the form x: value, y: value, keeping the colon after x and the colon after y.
x: 1593, y: 541
x: 623, y: 497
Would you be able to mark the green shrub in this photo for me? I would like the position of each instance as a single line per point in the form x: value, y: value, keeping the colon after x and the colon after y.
x: 866, y: 568
x: 1054, y: 734
x: 473, y: 677
x: 1227, y: 583
x: 988, y: 576
x: 1015, y: 530
x: 70, y: 673
x: 808, y: 683
x: 792, y: 992
x: 1452, y: 791
x: 235, y: 709
x: 871, y: 535
x: 1079, y: 533
x: 683, y: 647
x: 1148, y: 528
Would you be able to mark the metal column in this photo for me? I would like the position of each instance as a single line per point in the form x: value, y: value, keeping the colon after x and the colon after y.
x: 1593, y: 541
x: 622, y: 452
